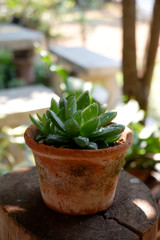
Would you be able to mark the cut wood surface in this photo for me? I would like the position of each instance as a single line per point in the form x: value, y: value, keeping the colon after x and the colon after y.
x: 23, y: 215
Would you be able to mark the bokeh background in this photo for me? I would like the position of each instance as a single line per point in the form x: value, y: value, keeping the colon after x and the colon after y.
x: 29, y: 78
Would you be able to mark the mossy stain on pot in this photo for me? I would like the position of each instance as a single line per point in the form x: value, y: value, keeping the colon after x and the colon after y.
x: 81, y: 170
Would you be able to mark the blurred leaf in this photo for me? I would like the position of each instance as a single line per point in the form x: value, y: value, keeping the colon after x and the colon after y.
x: 89, y: 127
x: 83, y: 101
x: 106, y: 118
x: 55, y: 119
x: 39, y: 117
x: 61, y: 114
x: 37, y: 124
x: 70, y: 107
x: 62, y: 102
x: 62, y: 72
x: 102, y: 144
x: 52, y: 138
x: 54, y: 105
x: 81, y: 141
x: 72, y: 128
x: 78, y: 117
x: 113, y: 138
x: 44, y: 118
x: 92, y: 146
x: 109, y: 131
x: 90, y: 112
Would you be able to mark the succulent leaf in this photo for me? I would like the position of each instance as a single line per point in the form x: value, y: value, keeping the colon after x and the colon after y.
x: 44, y: 118
x: 92, y: 146
x: 102, y: 144
x: 78, y: 117
x: 81, y: 141
x: 83, y: 101
x: 58, y: 131
x: 90, y: 112
x: 72, y: 128
x: 113, y: 138
x: 47, y: 126
x: 61, y: 114
x: 40, y: 138
x: 52, y: 127
x: 55, y: 119
x: 77, y: 122
x: 62, y: 102
x: 54, y: 138
x: 89, y: 127
x: 39, y: 117
x: 70, y: 107
x: 106, y: 118
x: 37, y: 124
x: 54, y: 105
x: 109, y: 131
x: 70, y: 96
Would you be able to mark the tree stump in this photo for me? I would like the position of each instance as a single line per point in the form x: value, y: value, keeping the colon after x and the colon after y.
x: 23, y: 215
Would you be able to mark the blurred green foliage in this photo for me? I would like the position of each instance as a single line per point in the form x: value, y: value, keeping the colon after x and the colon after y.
x: 44, y: 15
x: 42, y: 73
x: 8, y: 78
x: 30, y: 11
x: 8, y: 72
x: 144, y: 154
x: 13, y: 151
x: 146, y: 146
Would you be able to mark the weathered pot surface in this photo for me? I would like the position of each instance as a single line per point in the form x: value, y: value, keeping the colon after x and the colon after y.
x: 78, y: 182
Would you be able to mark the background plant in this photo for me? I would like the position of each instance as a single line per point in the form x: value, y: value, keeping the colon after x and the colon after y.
x: 13, y: 151
x: 143, y: 157
x: 145, y: 148
x: 8, y: 77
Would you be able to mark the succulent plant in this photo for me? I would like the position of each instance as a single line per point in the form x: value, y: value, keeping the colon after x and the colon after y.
x: 80, y: 123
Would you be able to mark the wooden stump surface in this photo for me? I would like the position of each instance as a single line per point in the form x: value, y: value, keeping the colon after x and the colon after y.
x: 24, y: 216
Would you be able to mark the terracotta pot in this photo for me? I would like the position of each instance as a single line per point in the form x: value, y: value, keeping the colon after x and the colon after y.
x: 78, y: 182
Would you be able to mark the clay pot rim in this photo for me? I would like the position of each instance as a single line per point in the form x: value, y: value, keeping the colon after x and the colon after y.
x: 127, y: 136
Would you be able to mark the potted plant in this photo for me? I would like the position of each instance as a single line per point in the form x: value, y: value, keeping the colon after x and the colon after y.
x: 78, y: 153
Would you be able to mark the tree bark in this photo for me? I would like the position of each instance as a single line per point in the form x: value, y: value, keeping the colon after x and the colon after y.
x: 150, y: 56
x: 129, y: 49
x: 135, y: 87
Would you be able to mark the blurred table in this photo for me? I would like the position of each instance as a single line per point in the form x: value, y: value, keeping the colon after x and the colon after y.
x: 90, y: 66
x: 17, y: 103
x: 21, y: 41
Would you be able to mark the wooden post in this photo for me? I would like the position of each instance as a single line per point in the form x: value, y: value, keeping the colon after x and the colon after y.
x: 23, y: 215
x: 23, y: 60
